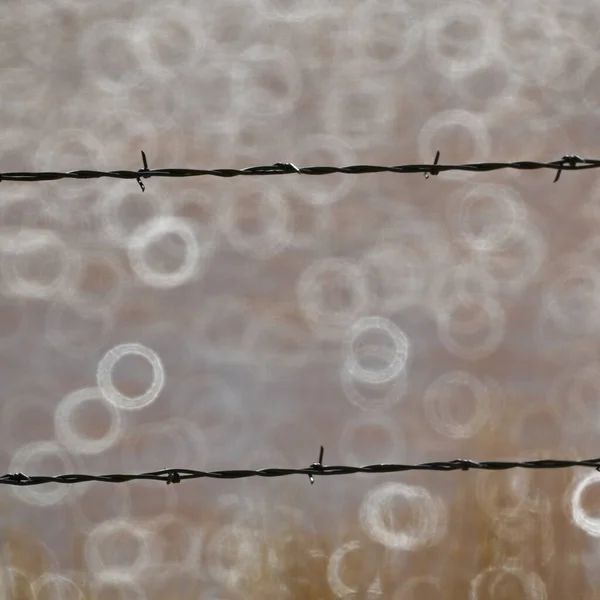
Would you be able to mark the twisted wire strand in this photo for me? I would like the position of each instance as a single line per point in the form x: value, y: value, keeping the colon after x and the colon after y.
x: 569, y: 162
x: 169, y: 476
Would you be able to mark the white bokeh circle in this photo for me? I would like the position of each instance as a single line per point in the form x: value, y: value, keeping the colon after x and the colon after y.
x: 178, y: 30
x: 438, y: 412
x: 275, y: 233
x: 504, y: 216
x: 326, y: 320
x: 76, y: 442
x: 114, y: 35
x: 50, y: 493
x: 400, y: 354
x: 122, y: 211
x: 475, y: 125
x: 56, y: 585
x: 484, y: 50
x: 40, y: 242
x: 96, y: 558
x: 335, y: 569
x: 395, y: 274
x: 490, y: 334
x: 108, y: 388
x: 532, y: 584
x: 248, y: 93
x: 390, y: 432
x: 148, y: 233
x: 430, y: 516
x: 580, y: 517
x: 386, y: 34
x: 381, y: 396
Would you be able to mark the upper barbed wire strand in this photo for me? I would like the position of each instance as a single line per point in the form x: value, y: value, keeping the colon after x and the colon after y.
x: 568, y: 162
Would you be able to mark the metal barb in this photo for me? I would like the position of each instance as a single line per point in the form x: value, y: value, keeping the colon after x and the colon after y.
x: 317, y: 466
x: 173, y: 477
x: 288, y: 166
x: 145, y: 163
x: 16, y: 477
x: 433, y: 170
x: 568, y: 159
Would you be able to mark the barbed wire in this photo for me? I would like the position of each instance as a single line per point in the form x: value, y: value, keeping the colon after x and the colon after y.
x: 569, y: 162
x: 169, y: 476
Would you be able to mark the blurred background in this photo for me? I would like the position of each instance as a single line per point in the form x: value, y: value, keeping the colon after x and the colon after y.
x: 212, y: 323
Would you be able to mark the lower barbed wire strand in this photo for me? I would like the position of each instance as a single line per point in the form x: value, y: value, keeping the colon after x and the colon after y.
x: 176, y: 475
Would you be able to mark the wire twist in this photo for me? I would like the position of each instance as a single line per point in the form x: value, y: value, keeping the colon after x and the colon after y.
x: 169, y: 476
x: 569, y: 162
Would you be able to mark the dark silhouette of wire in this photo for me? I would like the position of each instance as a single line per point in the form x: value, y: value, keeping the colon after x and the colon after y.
x: 169, y: 476
x: 568, y: 162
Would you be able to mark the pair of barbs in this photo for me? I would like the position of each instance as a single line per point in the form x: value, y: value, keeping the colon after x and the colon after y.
x: 434, y: 170
x: 570, y: 160
x: 317, y: 466
x: 139, y: 179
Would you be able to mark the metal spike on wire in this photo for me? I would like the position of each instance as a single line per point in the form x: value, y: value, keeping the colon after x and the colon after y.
x: 169, y: 476
x: 569, y: 162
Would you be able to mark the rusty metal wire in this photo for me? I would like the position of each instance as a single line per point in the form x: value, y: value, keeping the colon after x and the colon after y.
x: 569, y: 162
x: 169, y: 476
